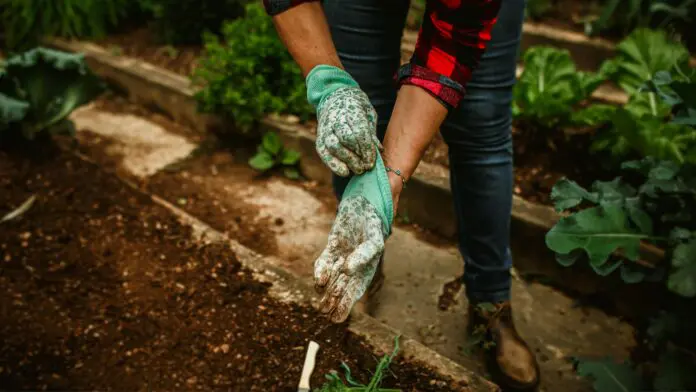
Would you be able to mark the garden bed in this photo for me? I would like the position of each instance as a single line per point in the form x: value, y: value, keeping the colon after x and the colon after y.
x: 103, y: 289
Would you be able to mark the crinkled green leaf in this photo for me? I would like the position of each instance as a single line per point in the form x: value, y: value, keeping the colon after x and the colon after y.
x: 290, y: 157
x: 610, y: 376
x: 593, y: 115
x: 605, y: 268
x: 262, y: 161
x: 568, y: 194
x: 598, y: 231
x: 271, y: 143
x: 648, y: 136
x: 614, y: 191
x: 682, y: 278
x: 643, y: 53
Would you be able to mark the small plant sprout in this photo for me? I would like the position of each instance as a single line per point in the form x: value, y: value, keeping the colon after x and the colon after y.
x: 271, y: 154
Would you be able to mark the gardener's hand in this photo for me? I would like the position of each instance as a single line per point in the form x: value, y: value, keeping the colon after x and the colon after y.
x: 347, y: 132
x: 345, y: 269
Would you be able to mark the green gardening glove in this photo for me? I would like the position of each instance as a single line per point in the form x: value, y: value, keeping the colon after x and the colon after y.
x: 345, y: 268
x: 347, y: 131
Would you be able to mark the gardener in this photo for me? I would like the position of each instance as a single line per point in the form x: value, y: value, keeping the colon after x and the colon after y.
x: 349, y: 51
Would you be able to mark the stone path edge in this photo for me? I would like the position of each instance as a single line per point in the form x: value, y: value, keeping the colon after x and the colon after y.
x: 427, y: 201
x: 291, y: 288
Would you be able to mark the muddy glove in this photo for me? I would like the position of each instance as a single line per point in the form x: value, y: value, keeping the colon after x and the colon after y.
x: 346, y: 267
x: 347, y: 130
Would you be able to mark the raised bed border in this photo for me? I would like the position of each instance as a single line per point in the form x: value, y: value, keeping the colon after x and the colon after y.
x: 289, y: 287
x: 427, y: 201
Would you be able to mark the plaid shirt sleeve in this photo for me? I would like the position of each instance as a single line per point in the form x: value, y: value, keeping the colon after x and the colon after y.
x: 274, y: 7
x: 450, y: 43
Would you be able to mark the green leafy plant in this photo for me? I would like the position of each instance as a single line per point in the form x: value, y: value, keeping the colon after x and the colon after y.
x: 678, y: 93
x: 336, y: 384
x: 642, y: 54
x: 251, y: 74
x: 627, y: 15
x: 25, y: 22
x: 40, y: 88
x: 183, y: 22
x: 642, y: 128
x: 271, y: 154
x: 551, y: 87
x: 647, y: 125
x: 660, y: 210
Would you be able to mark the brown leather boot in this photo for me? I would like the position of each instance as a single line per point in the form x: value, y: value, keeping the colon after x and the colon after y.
x: 367, y: 303
x: 510, y: 360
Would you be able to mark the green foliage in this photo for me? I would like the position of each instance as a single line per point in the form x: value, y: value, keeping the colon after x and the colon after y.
x: 25, y: 22
x: 627, y: 15
x: 40, y: 88
x: 251, y: 74
x: 538, y: 8
x: 657, y: 121
x: 335, y: 384
x: 183, y: 22
x: 648, y: 134
x: 662, y: 210
x: 678, y: 93
x: 271, y: 153
x: 642, y: 54
x: 550, y: 87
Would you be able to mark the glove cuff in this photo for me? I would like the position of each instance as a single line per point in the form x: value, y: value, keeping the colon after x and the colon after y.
x: 323, y: 80
x: 374, y: 186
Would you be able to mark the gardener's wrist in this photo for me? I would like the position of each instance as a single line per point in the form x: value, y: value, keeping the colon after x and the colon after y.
x: 397, y: 185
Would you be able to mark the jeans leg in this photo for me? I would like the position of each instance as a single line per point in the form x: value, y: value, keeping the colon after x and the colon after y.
x: 367, y: 36
x: 479, y: 138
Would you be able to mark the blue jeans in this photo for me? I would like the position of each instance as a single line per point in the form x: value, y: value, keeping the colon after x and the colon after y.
x: 367, y: 35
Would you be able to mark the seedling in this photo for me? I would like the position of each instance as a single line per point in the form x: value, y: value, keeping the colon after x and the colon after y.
x: 335, y: 384
x: 271, y: 153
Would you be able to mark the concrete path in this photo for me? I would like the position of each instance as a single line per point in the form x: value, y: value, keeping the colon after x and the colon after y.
x: 293, y: 220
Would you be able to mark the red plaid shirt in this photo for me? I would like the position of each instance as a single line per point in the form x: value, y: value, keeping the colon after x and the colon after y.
x: 450, y: 43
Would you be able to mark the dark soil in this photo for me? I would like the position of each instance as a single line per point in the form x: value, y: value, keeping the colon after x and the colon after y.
x: 102, y: 289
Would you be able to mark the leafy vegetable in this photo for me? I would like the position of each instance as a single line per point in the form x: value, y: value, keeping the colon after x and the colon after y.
x: 335, y: 384
x: 40, y: 88
x: 550, y: 86
x: 647, y: 135
x: 660, y: 209
x: 271, y: 153
x: 251, y: 74
x: 643, y: 53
